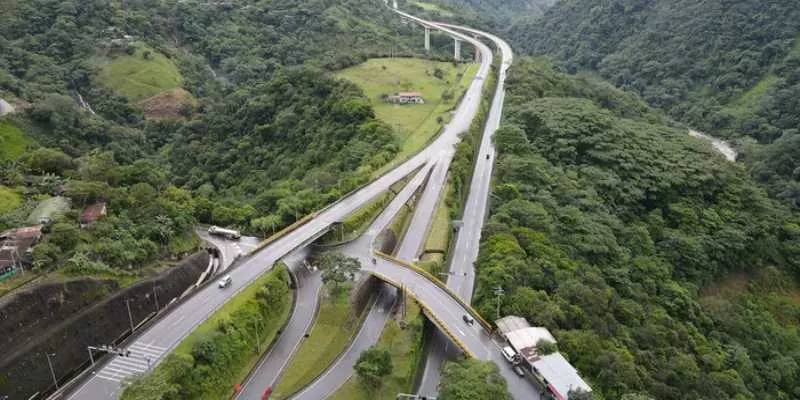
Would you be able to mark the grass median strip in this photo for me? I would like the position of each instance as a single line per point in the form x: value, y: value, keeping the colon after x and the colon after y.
x: 404, y: 343
x: 223, y: 349
x: 336, y: 323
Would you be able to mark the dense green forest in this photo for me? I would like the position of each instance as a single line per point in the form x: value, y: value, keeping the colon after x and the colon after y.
x: 661, y: 268
x: 727, y: 67
x: 267, y: 136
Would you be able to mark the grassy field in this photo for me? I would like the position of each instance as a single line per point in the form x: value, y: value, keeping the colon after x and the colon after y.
x: 439, y: 235
x: 414, y: 124
x: 332, y: 330
x: 9, y: 199
x: 138, y: 78
x: 405, y: 345
x: 12, y: 141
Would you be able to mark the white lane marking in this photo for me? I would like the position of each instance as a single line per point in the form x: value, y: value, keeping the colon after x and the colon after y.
x: 152, y: 346
x: 107, y: 378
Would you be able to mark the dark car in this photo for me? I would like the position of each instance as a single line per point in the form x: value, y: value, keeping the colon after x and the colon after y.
x: 468, y: 319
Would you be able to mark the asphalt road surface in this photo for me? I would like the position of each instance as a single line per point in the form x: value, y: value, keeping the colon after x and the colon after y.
x: 229, y: 249
x: 272, y: 364
x: 461, y: 278
x: 150, y: 347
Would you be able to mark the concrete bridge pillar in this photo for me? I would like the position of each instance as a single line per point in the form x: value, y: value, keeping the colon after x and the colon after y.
x: 427, y: 38
x: 477, y: 54
x: 457, y: 50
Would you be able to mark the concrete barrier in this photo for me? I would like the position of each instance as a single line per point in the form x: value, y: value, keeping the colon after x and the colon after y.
x: 440, y: 284
x: 429, y: 312
x: 283, y: 232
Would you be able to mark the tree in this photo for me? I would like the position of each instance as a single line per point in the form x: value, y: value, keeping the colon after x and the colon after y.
x: 338, y: 268
x: 266, y: 223
x: 545, y: 347
x: 472, y: 380
x: 373, y: 365
x: 51, y: 161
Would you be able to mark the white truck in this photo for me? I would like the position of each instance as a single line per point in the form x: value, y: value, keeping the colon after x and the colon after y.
x: 228, y: 233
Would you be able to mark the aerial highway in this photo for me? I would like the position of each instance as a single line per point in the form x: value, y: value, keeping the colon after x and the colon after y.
x: 271, y: 366
x: 105, y: 380
x: 435, y: 170
x: 461, y: 276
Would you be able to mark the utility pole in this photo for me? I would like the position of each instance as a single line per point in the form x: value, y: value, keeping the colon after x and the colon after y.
x: 52, y: 373
x: 499, y: 292
x: 130, y: 316
x: 155, y: 296
x: 91, y: 358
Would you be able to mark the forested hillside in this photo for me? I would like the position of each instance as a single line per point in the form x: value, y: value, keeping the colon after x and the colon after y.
x: 245, y: 126
x: 662, y: 269
x: 727, y: 67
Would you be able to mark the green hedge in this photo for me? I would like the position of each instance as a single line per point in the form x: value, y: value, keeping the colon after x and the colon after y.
x: 209, y: 362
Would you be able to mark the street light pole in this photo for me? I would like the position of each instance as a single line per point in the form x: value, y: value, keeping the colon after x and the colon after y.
x: 52, y: 373
x: 155, y: 296
x: 130, y: 316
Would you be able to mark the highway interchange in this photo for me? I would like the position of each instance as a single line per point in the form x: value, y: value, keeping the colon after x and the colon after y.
x: 432, y: 162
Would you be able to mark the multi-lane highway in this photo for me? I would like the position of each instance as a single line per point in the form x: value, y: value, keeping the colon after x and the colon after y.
x: 461, y: 277
x: 164, y: 335
x: 272, y: 365
x: 435, y: 170
x: 152, y: 344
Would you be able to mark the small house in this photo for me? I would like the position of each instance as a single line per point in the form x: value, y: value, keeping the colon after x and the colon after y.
x: 16, y: 248
x: 92, y: 214
x: 406, y: 98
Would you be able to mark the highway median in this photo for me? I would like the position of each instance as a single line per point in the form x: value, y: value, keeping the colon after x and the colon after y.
x: 219, y: 353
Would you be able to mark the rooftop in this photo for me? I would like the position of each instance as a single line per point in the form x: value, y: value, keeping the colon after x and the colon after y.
x: 93, y: 212
x: 559, y: 374
x: 511, y: 323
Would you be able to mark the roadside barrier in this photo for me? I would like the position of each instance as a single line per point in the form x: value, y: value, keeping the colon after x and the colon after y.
x: 283, y: 232
x: 439, y: 283
x: 429, y: 312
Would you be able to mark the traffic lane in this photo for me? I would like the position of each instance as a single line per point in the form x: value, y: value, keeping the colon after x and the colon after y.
x: 230, y: 249
x: 309, y: 284
x: 466, y: 248
x: 369, y: 333
x: 427, y: 205
x: 439, y: 349
x: 444, y: 307
x: 398, y: 202
x: 178, y: 324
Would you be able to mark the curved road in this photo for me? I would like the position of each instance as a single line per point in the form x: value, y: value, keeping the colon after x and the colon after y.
x: 271, y: 367
x: 151, y: 346
x: 409, y: 248
x: 461, y: 278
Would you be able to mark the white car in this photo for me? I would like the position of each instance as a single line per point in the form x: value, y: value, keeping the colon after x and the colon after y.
x: 225, y: 281
x: 509, y: 354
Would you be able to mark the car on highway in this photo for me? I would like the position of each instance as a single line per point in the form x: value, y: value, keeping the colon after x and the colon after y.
x: 468, y: 319
x: 225, y: 281
x: 519, y: 371
x: 510, y: 355
x: 487, y: 156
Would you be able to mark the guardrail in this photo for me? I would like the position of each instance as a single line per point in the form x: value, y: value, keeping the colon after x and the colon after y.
x: 283, y: 232
x: 440, y: 284
x: 428, y: 311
